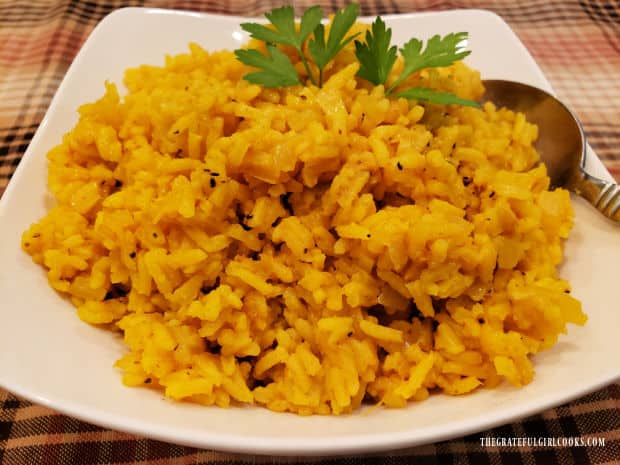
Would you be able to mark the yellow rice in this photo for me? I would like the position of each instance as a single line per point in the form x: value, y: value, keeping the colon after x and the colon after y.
x: 306, y: 249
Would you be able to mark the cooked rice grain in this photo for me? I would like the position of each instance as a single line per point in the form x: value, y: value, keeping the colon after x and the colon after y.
x: 305, y: 249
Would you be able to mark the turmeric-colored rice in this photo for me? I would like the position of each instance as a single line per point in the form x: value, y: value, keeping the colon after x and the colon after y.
x: 306, y: 249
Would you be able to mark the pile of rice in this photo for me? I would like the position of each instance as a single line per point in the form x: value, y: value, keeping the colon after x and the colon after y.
x: 306, y: 249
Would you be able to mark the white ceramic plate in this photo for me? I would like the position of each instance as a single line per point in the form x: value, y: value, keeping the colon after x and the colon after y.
x: 50, y: 357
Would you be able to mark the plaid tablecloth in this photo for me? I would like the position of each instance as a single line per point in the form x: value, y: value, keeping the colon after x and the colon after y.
x: 576, y: 42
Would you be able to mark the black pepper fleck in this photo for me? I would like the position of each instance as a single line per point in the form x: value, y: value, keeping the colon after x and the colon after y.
x: 260, y: 382
x: 414, y: 312
x: 399, y: 166
x: 213, y: 347
x: 239, y: 213
x: 491, y: 194
x: 276, y: 222
x: 241, y: 217
x: 116, y: 291
x: 118, y: 183
x: 212, y: 182
x: 215, y: 174
x: 132, y: 255
x: 466, y: 181
x: 207, y: 289
x: 286, y: 203
x: 147, y: 381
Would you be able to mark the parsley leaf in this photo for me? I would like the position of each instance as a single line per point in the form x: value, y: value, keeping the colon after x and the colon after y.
x: 376, y: 57
x: 284, y: 32
x: 283, y: 20
x: 277, y: 69
x: 323, y: 52
x: 309, y: 21
x: 438, y: 52
x: 433, y: 96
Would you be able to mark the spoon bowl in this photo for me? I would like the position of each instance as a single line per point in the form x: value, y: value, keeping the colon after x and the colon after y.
x: 561, y: 142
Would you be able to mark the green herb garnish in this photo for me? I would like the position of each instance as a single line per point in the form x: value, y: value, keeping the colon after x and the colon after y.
x: 277, y: 69
x: 434, y: 96
x: 323, y: 52
x: 285, y: 33
x: 377, y: 58
x: 439, y: 52
x: 376, y: 55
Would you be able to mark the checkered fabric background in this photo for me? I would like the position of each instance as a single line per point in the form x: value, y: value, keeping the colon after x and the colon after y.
x: 576, y: 42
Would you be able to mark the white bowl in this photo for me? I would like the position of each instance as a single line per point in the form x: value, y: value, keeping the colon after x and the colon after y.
x: 50, y: 357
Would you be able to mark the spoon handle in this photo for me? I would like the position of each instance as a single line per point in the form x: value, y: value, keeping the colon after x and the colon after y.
x: 604, y: 195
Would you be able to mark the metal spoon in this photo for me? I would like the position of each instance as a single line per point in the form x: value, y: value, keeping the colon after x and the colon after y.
x: 561, y: 143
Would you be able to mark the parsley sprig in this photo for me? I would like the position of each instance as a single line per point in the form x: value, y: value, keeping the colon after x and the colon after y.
x: 375, y: 54
x: 277, y: 69
x: 284, y: 33
x: 322, y: 51
x: 438, y: 52
x: 377, y: 57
